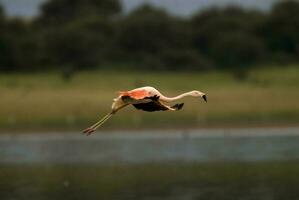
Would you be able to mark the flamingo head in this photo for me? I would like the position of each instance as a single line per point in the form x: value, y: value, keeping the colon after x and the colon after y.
x: 196, y: 93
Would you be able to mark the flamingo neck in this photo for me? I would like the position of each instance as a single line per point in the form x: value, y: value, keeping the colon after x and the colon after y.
x: 170, y: 99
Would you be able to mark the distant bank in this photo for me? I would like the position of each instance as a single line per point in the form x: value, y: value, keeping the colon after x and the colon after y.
x: 48, y: 102
x: 29, y: 8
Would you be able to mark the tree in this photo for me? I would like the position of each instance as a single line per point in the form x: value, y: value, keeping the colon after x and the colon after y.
x: 17, y: 46
x: 150, y: 36
x: 76, y: 34
x: 228, y: 36
x: 1, y: 14
x: 81, y: 44
x: 237, y: 51
x: 60, y: 12
x: 4, y: 51
x: 147, y: 30
x: 281, y: 29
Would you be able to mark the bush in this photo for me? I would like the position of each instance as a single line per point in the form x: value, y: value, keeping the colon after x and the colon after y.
x: 237, y: 49
x: 185, y: 60
x: 82, y: 44
x: 223, y: 36
x: 148, y: 32
x: 280, y: 30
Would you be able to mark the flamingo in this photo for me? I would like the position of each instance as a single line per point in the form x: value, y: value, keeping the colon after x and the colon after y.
x: 144, y: 98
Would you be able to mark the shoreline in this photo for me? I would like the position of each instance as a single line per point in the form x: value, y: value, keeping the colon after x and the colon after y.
x: 224, y: 126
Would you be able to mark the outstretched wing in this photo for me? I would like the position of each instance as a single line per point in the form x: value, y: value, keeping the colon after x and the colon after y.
x: 151, y: 106
x: 156, y: 105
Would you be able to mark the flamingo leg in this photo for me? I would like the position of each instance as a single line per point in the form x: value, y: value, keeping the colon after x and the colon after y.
x: 103, y: 121
x: 91, y: 129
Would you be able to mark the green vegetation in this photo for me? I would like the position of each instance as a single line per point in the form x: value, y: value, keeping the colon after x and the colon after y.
x: 268, y: 180
x: 50, y: 102
x: 69, y: 36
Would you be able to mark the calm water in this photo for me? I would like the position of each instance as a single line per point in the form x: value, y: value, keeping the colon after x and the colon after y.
x: 197, y: 164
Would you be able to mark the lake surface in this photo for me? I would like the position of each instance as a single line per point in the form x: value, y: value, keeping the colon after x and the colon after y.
x: 180, y: 164
x: 147, y: 147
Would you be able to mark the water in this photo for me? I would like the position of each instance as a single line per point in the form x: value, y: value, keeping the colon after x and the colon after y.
x: 197, y: 164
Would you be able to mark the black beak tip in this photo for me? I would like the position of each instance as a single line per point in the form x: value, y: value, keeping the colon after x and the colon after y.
x: 205, y: 98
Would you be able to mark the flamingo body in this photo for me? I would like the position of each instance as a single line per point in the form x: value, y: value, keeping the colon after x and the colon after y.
x: 144, y: 98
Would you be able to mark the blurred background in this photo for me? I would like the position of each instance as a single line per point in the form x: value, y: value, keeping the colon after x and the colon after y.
x: 62, y: 62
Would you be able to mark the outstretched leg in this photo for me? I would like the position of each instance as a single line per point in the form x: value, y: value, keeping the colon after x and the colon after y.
x: 91, y: 129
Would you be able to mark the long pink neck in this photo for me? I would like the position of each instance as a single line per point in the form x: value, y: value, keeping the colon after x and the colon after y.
x: 170, y: 99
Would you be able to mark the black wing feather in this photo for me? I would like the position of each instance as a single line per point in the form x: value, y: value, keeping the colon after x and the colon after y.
x: 150, y: 107
x: 155, y: 105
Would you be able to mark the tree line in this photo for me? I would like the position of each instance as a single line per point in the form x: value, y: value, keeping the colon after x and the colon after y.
x: 91, y: 34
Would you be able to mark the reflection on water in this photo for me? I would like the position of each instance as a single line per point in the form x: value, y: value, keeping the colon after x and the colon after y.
x: 199, y: 164
x: 271, y: 180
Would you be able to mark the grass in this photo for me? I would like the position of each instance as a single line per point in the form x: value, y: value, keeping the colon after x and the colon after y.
x: 265, y: 180
x: 45, y: 101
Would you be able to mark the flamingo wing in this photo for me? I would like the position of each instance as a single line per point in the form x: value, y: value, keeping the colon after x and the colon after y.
x: 141, y: 100
x: 135, y: 94
x: 156, y: 105
x: 151, y: 106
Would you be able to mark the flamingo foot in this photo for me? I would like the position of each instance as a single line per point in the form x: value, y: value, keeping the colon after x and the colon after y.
x: 88, y: 131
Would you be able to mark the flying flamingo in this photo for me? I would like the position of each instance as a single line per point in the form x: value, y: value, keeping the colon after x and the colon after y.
x: 145, y: 98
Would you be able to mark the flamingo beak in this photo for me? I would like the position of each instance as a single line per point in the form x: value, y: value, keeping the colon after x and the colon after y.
x: 205, y: 98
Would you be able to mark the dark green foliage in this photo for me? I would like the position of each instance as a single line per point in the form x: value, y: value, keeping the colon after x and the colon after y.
x: 151, y: 37
x: 76, y: 34
x: 81, y: 44
x: 16, y: 45
x: 149, y: 30
x: 5, y: 55
x: 85, y: 34
x: 188, y: 59
x: 3, y: 44
x: 228, y: 36
x: 281, y: 30
x: 60, y: 12
x: 236, y: 49
x: 21, y: 48
x: 1, y: 14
